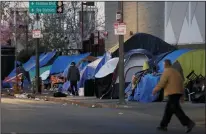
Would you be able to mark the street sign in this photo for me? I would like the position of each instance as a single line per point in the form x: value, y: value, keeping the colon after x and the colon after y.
x: 119, y: 28
x: 36, y: 34
x: 118, y: 16
x: 42, y: 7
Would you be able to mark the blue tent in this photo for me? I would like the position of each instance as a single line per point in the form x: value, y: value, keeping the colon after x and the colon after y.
x: 171, y: 56
x: 146, y: 41
x: 89, y: 71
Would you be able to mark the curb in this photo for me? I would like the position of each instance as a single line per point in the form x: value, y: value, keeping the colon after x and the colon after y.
x: 81, y: 103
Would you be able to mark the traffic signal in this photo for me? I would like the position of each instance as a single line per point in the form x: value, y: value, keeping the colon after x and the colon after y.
x: 88, y: 3
x: 60, y: 6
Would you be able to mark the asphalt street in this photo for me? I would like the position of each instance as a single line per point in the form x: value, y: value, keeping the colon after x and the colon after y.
x: 29, y: 116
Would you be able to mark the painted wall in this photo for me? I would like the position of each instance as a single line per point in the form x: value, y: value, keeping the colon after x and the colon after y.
x: 185, y: 22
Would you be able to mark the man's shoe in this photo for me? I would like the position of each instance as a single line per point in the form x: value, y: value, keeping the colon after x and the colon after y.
x: 162, y: 128
x: 190, y: 127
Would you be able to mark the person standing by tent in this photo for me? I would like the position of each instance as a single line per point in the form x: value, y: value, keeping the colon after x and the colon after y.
x: 73, y: 76
x: 172, y: 83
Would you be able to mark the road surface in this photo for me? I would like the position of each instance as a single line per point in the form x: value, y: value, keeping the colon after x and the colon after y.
x: 29, y: 116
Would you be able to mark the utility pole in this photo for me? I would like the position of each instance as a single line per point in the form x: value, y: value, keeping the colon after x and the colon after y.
x: 82, y: 30
x: 37, y: 60
x: 15, y: 44
x: 27, y: 31
x: 121, y: 58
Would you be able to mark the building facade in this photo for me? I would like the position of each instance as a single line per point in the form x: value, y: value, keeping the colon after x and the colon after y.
x: 181, y: 23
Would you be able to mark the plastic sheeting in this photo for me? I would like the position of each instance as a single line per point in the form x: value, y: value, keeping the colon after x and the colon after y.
x: 193, y: 60
x: 171, y: 56
x: 76, y: 59
x: 32, y: 73
x: 62, y: 63
x: 143, y: 92
x: 45, y: 75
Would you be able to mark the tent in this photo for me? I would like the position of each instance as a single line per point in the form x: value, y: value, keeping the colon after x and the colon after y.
x: 145, y: 41
x: 89, y: 72
x: 191, y: 61
x: 171, y: 56
x: 103, y: 77
x: 134, y: 61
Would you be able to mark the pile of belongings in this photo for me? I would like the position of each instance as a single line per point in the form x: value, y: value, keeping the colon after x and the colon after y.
x: 195, y: 88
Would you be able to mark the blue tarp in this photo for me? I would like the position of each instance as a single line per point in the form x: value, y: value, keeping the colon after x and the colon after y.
x: 62, y: 63
x: 76, y: 59
x: 31, y: 63
x: 143, y: 92
x: 171, y: 56
x: 27, y: 66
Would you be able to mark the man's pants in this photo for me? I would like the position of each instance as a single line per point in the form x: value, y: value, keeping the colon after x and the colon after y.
x: 173, y: 107
x: 73, y: 87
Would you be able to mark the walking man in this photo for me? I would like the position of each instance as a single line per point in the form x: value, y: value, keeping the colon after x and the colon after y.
x: 73, y: 76
x: 172, y: 83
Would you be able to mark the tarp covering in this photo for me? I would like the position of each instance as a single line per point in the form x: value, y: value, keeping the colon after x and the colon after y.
x: 143, y: 92
x: 62, y: 63
x: 193, y: 60
x: 27, y: 66
x: 171, y: 56
x: 89, y: 72
x: 32, y: 72
x: 45, y: 74
x: 76, y: 59
x: 145, y: 41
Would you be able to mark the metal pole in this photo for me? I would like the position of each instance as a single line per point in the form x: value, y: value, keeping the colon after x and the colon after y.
x: 27, y: 31
x: 121, y: 59
x: 82, y: 30
x: 15, y: 44
x: 37, y: 60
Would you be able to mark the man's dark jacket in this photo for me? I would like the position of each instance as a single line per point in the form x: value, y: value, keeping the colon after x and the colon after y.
x: 73, y: 74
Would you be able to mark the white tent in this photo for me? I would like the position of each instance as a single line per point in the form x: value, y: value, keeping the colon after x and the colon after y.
x: 107, y: 68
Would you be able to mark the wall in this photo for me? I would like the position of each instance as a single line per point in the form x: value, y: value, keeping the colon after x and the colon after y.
x: 110, y: 18
x: 130, y: 18
x: 147, y: 17
x: 185, y: 23
x: 151, y: 18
